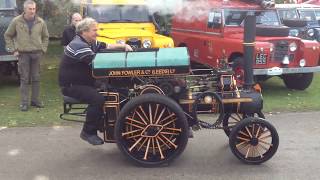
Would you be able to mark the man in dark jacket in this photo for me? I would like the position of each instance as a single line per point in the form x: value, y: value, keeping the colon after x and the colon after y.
x: 70, y: 31
x: 75, y: 77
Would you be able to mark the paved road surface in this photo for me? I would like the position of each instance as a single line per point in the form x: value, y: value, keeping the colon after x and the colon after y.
x: 57, y: 153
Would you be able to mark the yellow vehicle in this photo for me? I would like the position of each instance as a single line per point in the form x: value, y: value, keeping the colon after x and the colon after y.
x: 125, y: 21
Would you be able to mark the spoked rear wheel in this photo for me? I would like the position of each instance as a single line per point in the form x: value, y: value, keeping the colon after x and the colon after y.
x: 253, y: 140
x: 231, y: 119
x: 151, y: 130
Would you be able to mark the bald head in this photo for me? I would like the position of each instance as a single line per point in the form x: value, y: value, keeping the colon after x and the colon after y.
x: 75, y: 18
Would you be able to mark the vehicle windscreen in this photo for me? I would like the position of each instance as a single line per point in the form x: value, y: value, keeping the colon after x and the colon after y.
x: 307, y: 15
x: 288, y: 13
x: 317, y: 13
x: 119, y: 13
x: 236, y: 17
x: 7, y: 13
x: 4, y: 4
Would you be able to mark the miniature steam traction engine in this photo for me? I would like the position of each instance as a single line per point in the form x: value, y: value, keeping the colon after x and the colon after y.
x: 152, y: 98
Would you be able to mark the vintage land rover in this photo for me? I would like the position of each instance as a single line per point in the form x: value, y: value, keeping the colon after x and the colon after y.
x: 125, y: 21
x: 8, y: 62
x: 303, y: 20
x: 214, y: 31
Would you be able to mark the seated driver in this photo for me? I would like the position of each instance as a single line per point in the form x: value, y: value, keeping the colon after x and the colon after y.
x: 75, y: 77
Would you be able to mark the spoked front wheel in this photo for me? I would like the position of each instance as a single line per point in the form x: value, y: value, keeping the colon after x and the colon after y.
x: 151, y: 130
x: 253, y: 140
x: 231, y: 119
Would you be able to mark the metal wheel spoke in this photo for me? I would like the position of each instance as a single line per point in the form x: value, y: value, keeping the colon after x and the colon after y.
x: 261, y: 141
x: 265, y: 137
x: 170, y: 122
x: 244, y: 146
x: 158, y: 137
x: 144, y: 113
x: 238, y: 118
x: 142, y: 119
x: 131, y: 132
x: 134, y: 145
x: 238, y: 115
x: 248, y: 132
x: 244, y: 139
x: 264, y: 132
x: 150, y: 114
x: 258, y: 131
x: 147, y: 150
x: 160, y: 115
x: 136, y: 121
x: 166, y: 118
x: 266, y: 149
x: 232, y: 123
x: 253, y: 152
x: 156, y: 112
x: 256, y: 148
x: 248, y: 150
x: 144, y: 141
x: 153, y: 146
x: 174, y: 145
x: 243, y: 133
x: 134, y: 125
x: 173, y: 129
x: 242, y: 143
x: 169, y: 133
x: 160, y: 150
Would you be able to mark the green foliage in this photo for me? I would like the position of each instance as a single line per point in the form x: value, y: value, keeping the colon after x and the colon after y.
x: 278, y: 98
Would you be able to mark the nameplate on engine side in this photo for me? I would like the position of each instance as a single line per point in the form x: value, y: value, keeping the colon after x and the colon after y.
x: 141, y: 72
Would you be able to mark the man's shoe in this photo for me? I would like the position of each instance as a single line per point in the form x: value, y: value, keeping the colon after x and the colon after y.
x: 23, y: 107
x: 37, y: 105
x: 91, y: 138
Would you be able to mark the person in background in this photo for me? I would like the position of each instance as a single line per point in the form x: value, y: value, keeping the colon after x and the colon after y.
x: 70, y: 31
x: 75, y: 78
x: 27, y: 38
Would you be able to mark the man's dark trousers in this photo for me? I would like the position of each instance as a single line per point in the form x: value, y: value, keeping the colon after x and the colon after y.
x: 95, y: 101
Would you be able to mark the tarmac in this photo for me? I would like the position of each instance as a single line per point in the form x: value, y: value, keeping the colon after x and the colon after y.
x: 57, y: 153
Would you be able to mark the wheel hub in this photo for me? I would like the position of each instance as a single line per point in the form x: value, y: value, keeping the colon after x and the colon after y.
x: 254, y: 141
x: 151, y: 130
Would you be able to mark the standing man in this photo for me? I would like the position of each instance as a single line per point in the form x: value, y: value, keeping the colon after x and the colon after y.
x: 27, y: 38
x: 75, y: 78
x: 70, y: 31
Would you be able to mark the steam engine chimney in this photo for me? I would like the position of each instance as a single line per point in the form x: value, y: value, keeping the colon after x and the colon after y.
x: 248, y: 47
